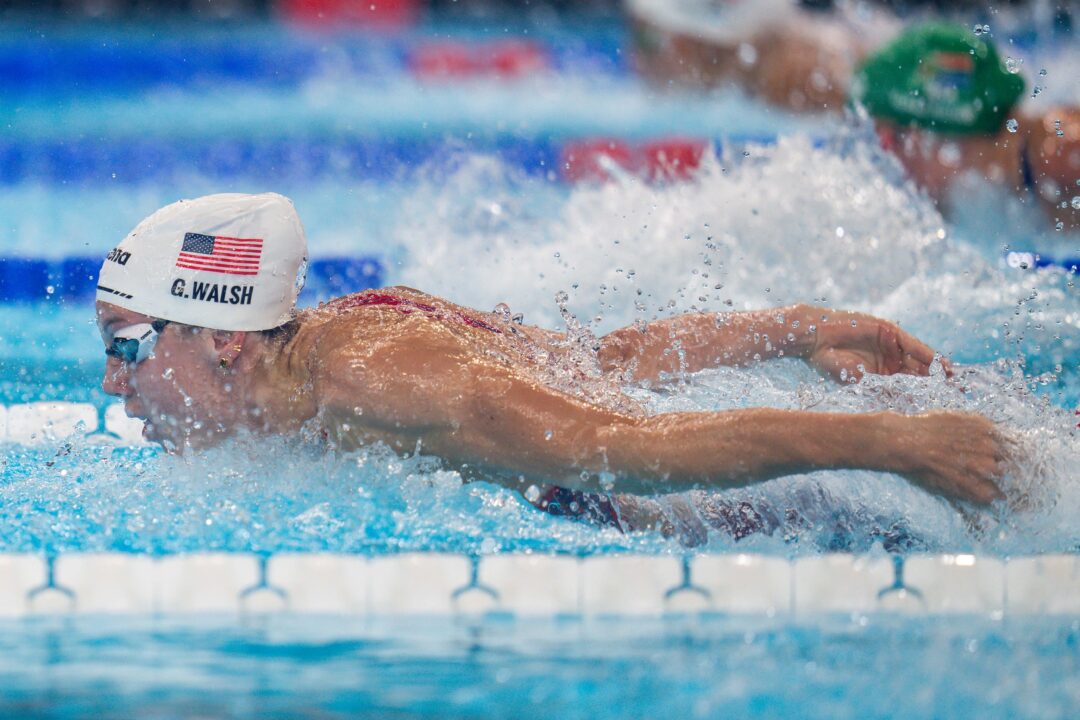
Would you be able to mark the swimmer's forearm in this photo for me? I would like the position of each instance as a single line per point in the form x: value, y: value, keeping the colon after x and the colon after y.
x: 695, y: 342
x: 719, y: 450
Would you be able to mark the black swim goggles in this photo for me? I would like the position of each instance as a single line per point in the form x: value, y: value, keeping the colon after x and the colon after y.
x: 135, y: 343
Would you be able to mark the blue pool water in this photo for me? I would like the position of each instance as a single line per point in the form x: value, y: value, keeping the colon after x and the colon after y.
x: 450, y: 185
x: 719, y: 667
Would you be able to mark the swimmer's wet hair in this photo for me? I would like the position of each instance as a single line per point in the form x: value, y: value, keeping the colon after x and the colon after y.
x: 282, y: 333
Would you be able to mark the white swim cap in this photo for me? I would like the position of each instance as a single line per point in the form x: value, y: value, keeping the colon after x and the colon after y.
x: 226, y: 262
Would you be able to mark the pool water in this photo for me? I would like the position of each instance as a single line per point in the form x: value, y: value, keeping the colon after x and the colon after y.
x: 869, y: 667
x: 457, y: 187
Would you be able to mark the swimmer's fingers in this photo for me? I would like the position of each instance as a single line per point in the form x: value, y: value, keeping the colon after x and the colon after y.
x: 987, y: 472
x: 973, y: 487
x: 916, y: 356
x: 962, y: 456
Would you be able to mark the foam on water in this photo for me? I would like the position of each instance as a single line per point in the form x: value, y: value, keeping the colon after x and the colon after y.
x: 790, y: 223
x: 260, y: 496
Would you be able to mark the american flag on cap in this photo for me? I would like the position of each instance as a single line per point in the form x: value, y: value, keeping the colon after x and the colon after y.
x: 220, y: 254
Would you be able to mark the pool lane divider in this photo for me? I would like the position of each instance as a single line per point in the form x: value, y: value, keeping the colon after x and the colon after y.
x: 1030, y: 260
x: 536, y: 585
x: 280, y: 59
x: 73, y: 279
x: 127, y: 160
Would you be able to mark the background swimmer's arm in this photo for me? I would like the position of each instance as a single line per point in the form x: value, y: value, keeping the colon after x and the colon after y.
x: 841, y: 344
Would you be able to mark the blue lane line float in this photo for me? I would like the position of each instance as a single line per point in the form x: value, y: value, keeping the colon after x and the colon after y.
x: 136, y: 160
x: 279, y: 59
x: 74, y: 279
x: 128, y: 160
x: 1030, y: 260
x: 24, y: 279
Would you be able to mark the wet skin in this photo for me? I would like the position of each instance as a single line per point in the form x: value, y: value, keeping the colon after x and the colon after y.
x: 1049, y: 145
x: 514, y: 403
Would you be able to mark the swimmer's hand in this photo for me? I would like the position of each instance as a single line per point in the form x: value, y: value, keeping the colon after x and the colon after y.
x: 960, y: 456
x: 846, y: 345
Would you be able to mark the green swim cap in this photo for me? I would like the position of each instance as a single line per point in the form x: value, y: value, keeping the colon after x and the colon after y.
x: 940, y: 76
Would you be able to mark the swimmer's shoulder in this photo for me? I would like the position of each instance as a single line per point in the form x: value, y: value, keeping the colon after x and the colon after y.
x: 364, y: 323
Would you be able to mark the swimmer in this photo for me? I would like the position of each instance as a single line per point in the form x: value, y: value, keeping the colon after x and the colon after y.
x: 796, y: 55
x: 196, y: 308
x: 945, y: 105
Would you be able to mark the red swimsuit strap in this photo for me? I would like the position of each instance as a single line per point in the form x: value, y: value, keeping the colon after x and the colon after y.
x: 365, y: 298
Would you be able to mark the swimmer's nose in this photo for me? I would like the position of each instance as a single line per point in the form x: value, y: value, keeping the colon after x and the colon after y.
x: 116, y: 380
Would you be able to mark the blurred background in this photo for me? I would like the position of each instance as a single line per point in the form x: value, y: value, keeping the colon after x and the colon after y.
x: 643, y: 157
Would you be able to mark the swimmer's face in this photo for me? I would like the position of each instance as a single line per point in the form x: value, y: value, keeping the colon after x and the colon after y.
x: 179, y: 391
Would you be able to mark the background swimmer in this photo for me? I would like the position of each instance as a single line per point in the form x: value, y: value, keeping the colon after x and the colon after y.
x: 944, y: 102
x: 945, y: 105
x: 421, y: 374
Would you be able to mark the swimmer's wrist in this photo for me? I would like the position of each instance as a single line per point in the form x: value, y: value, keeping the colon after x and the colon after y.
x: 888, y: 440
x: 800, y: 330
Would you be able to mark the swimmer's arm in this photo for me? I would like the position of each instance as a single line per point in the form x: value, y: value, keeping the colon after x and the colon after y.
x: 526, y: 429
x: 839, y: 343
x: 445, y: 400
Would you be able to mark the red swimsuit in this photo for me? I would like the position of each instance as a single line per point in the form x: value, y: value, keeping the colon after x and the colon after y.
x: 407, y: 306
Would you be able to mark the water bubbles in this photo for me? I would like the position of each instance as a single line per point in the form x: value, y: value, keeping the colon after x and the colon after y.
x: 502, y: 310
x: 167, y: 373
x: 188, y: 402
x: 1057, y: 129
x: 950, y: 155
x: 49, y: 290
x: 548, y: 434
x: 1012, y: 125
x: 981, y: 30
x: 561, y: 298
x: 1076, y: 202
x: 532, y: 493
x: 1042, y: 73
x: 1013, y: 64
x: 748, y: 54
